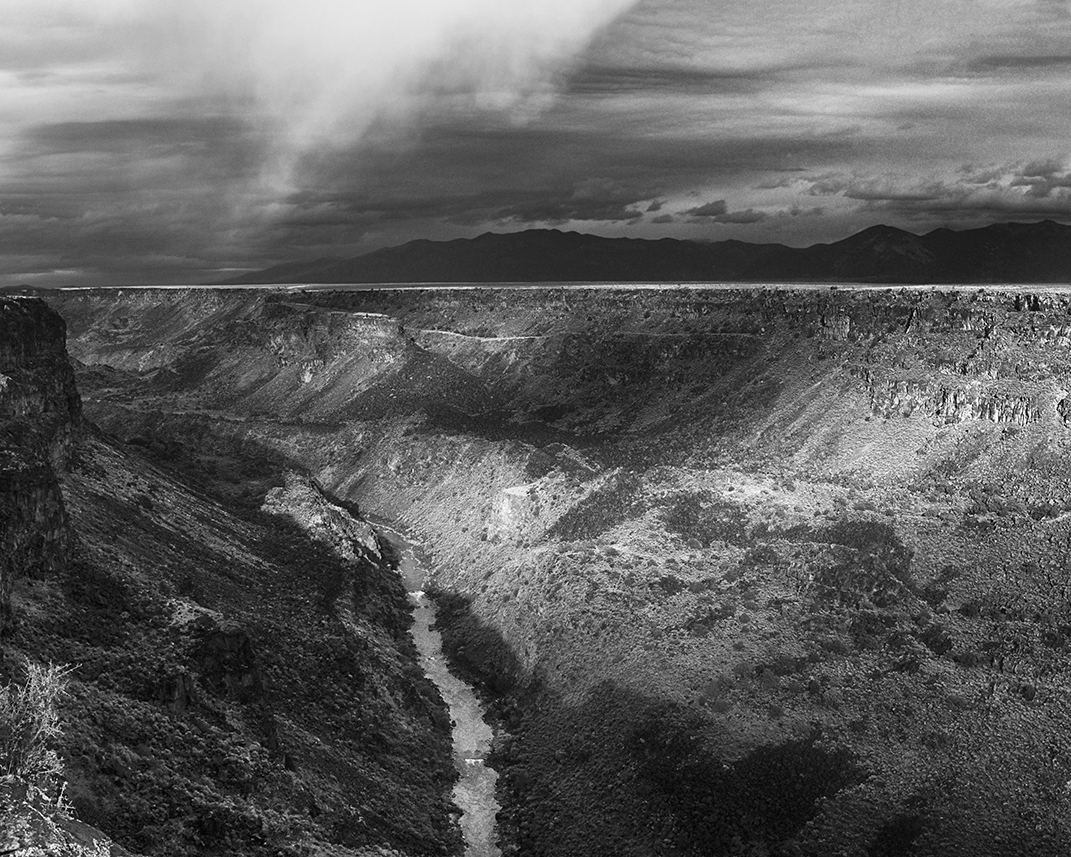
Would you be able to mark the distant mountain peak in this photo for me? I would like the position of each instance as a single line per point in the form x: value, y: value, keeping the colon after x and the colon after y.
x: 883, y: 229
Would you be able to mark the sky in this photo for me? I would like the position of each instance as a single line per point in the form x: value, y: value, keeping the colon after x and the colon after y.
x: 176, y: 141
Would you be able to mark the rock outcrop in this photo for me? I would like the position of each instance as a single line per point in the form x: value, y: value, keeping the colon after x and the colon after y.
x: 31, y: 824
x: 305, y: 503
x: 227, y: 661
x: 40, y: 413
x: 948, y: 405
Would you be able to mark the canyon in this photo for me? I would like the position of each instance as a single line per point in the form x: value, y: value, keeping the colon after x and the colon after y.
x: 735, y: 571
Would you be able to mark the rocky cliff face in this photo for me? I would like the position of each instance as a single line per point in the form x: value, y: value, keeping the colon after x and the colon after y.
x: 31, y: 824
x: 39, y: 417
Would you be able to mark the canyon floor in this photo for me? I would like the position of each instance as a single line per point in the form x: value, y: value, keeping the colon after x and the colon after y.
x: 739, y: 572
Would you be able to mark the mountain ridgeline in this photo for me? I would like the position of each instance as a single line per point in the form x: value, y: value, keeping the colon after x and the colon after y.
x: 1000, y: 253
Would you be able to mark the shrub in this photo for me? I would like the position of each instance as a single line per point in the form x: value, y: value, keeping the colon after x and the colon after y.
x: 29, y: 726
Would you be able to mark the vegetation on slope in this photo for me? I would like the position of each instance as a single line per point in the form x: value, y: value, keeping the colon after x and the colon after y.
x: 235, y: 687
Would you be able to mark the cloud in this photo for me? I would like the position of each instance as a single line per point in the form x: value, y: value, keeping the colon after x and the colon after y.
x: 1037, y: 188
x: 718, y: 212
x: 747, y: 216
x: 246, y: 132
x: 883, y: 187
x: 973, y: 174
x: 774, y: 184
x: 717, y: 208
x: 800, y: 211
x: 829, y: 185
x: 597, y: 199
x: 322, y: 70
x: 216, y: 113
x: 674, y: 79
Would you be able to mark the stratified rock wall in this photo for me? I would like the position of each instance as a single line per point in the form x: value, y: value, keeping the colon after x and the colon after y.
x: 39, y: 415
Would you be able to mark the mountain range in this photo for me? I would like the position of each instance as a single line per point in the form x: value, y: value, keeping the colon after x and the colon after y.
x: 1005, y: 252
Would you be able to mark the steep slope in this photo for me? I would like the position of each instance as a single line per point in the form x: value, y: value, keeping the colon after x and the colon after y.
x: 767, y: 571
x: 1008, y: 252
x: 40, y: 415
x: 243, y: 680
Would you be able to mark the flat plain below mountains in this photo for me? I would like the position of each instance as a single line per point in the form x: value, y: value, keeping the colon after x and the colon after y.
x: 740, y: 571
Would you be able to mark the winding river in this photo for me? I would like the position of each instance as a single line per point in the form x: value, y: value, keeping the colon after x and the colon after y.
x: 474, y: 792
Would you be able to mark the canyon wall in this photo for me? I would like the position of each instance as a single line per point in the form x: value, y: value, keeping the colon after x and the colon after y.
x: 40, y: 413
x: 241, y: 677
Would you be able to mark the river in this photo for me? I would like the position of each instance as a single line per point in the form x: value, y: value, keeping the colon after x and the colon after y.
x: 474, y: 792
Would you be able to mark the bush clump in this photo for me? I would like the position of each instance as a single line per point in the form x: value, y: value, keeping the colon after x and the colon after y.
x: 29, y: 726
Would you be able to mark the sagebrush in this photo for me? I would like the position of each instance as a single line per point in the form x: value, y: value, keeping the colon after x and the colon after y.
x: 29, y: 725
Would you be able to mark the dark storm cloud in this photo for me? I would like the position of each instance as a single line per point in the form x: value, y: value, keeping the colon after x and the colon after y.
x: 774, y: 184
x: 967, y: 208
x: 1042, y: 179
x: 178, y: 131
x: 874, y: 188
x: 527, y: 176
x: 746, y: 216
x: 129, y: 136
x: 121, y: 198
x: 588, y: 202
x: 800, y: 211
x: 135, y: 132
x: 718, y: 212
x: 717, y: 208
x: 1018, y: 189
